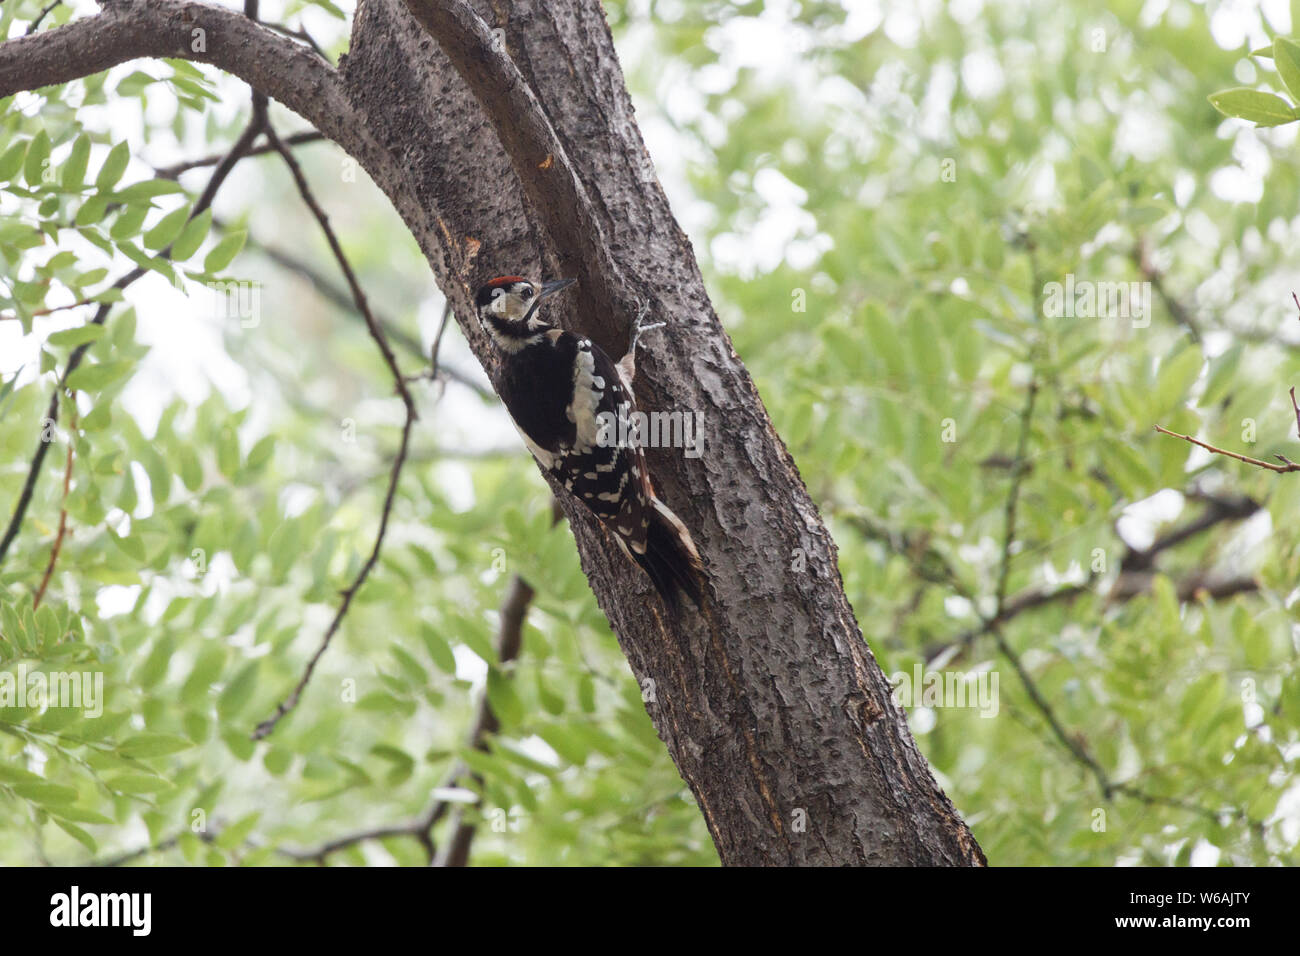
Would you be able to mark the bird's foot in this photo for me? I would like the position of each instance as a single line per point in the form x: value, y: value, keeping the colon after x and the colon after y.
x: 639, y: 326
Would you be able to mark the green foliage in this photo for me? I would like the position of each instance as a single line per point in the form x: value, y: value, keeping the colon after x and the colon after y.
x: 1266, y: 109
x: 940, y: 178
x: 880, y: 215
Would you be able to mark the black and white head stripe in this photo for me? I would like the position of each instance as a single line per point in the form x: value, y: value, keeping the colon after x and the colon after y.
x: 505, y: 296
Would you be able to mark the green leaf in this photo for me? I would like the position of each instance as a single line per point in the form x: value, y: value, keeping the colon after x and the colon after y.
x: 551, y: 702
x: 563, y: 743
x: 38, y: 154
x: 192, y: 236
x: 224, y: 252
x: 74, y: 167
x: 80, y: 814
x: 78, y: 834
x: 92, y: 378
x: 1176, y: 377
x: 92, y: 211
x: 238, y: 743
x: 52, y: 794
x: 1286, y: 57
x: 238, y: 692
x: 191, y: 468
x: 153, y: 745
x: 260, y: 453
x: 114, y: 166
x: 69, y: 338
x: 415, y: 674
x: 1262, y: 109
x: 208, y: 667
x: 137, y: 783
x: 148, y: 189
x: 167, y: 229
x: 438, y: 648
x: 1222, y: 370
x: 884, y: 340
x: 503, y: 698
x: 277, y: 760
x: 131, y: 546
x: 134, y: 83
x: 331, y: 8
x: 383, y: 703
x: 10, y: 774
x: 234, y: 835
x: 12, y: 160
x: 227, y: 452
x: 128, y: 221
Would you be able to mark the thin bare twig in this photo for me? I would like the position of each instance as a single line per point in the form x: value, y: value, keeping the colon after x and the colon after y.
x: 1219, y: 509
x: 381, y: 340
x: 41, y: 16
x: 432, y: 372
x: 293, y: 139
x: 51, y: 309
x: 298, y: 34
x: 1013, y: 495
x: 1048, y: 713
x: 63, y: 510
x: 416, y: 829
x: 1179, y: 312
x: 333, y: 293
x: 1287, y: 464
x: 358, y: 296
x: 128, y: 856
x: 421, y: 829
x: 1012, y: 608
x: 992, y: 625
x: 436, y: 347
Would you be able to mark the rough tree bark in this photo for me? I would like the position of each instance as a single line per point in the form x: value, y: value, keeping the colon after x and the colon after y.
x: 508, y: 145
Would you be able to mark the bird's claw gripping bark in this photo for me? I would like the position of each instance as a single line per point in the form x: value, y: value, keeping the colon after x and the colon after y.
x: 627, y: 364
x: 643, y: 309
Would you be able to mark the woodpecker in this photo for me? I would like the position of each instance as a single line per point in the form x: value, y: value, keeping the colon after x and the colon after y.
x: 557, y: 386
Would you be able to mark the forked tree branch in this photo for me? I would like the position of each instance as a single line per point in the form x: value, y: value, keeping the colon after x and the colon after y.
x: 338, y: 296
x: 548, y: 177
x: 276, y: 66
x: 294, y: 139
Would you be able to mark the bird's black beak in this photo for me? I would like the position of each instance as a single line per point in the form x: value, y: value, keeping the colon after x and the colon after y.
x: 554, y: 286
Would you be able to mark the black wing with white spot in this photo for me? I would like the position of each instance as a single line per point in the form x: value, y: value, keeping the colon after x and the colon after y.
x: 599, y: 465
x: 574, y: 410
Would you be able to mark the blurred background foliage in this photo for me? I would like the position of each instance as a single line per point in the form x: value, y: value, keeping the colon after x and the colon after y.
x: 879, y: 194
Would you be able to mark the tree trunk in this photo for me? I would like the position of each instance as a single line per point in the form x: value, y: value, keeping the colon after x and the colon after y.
x: 770, y: 703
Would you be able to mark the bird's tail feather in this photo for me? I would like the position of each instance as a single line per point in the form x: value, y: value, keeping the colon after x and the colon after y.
x: 670, y: 558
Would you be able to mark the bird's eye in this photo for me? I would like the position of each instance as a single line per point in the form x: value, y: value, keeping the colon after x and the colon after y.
x: 527, y: 293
